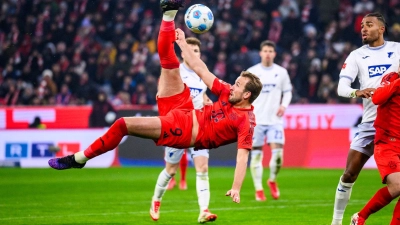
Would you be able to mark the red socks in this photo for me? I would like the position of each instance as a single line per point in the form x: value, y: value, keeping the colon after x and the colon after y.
x: 108, y: 141
x: 166, y: 39
x: 183, y: 164
x: 396, y: 214
x: 381, y: 198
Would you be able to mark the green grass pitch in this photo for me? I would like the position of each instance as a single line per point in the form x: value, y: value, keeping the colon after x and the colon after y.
x: 122, y: 196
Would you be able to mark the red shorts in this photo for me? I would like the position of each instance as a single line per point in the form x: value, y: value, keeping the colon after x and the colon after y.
x: 387, y: 159
x: 176, y: 120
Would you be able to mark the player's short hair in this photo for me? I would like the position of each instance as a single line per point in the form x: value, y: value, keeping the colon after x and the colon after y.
x: 254, y: 85
x: 380, y: 17
x: 268, y: 43
x: 193, y: 41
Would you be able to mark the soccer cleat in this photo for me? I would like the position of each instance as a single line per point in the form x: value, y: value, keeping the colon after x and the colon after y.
x: 183, y: 185
x: 260, y: 196
x: 167, y: 5
x: 206, y: 216
x: 66, y: 162
x: 357, y: 220
x: 273, y: 187
x: 155, y: 209
x: 171, y: 184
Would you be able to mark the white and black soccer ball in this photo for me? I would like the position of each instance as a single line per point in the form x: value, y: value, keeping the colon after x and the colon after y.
x: 199, y: 18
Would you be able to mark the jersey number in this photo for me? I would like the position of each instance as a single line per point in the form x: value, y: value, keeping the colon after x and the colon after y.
x: 176, y: 132
x: 278, y: 134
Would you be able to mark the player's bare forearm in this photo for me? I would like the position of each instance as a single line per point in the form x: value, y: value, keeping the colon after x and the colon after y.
x: 240, y: 173
x: 198, y: 66
x: 383, y: 93
x: 241, y: 167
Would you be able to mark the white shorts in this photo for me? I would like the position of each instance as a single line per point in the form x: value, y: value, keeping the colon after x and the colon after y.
x: 363, y: 138
x: 274, y: 134
x: 174, y: 155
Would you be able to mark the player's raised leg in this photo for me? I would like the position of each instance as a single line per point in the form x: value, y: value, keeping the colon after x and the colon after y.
x: 146, y: 127
x: 170, y: 82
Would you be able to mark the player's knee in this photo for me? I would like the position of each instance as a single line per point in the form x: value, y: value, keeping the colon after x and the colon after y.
x: 171, y: 168
x: 276, y: 157
x: 393, y: 186
x: 349, y: 177
x: 202, y: 168
x: 256, y: 157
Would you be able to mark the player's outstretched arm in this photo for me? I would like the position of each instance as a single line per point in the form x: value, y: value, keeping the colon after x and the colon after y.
x: 198, y: 66
x: 240, y: 173
x: 384, y: 92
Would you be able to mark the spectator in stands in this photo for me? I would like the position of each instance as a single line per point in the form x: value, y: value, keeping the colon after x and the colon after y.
x: 102, y: 38
x: 64, y: 97
x: 100, y: 108
x: 37, y: 123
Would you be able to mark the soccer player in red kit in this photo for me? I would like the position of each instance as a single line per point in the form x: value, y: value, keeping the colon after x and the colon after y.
x: 387, y: 149
x: 228, y: 120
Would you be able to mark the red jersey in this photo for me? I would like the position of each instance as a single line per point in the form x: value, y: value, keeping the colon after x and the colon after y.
x: 221, y: 123
x: 387, y: 123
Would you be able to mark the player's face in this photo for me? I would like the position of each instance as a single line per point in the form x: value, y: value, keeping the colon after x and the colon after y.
x: 195, y: 49
x: 267, y: 54
x: 371, y: 30
x: 238, y: 91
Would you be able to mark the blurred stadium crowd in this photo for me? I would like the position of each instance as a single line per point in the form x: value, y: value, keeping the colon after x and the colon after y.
x: 63, y: 52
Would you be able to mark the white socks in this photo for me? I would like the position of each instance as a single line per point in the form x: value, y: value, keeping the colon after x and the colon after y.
x: 161, y: 185
x: 80, y: 157
x: 169, y: 15
x: 342, y: 197
x: 256, y: 168
x: 203, y: 190
x: 275, y: 163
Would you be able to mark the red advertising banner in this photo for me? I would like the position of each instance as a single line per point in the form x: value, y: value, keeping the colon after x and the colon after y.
x: 322, y: 148
x: 52, y: 117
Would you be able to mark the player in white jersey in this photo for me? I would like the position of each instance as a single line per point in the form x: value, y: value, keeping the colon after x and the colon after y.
x: 269, y: 108
x: 200, y: 158
x: 368, y: 63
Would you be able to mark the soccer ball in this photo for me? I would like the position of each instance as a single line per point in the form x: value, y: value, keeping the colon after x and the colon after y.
x: 110, y: 117
x: 199, y: 18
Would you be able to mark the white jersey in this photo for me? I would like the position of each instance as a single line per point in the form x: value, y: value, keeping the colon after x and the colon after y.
x: 369, y: 64
x: 196, y: 85
x: 275, y: 80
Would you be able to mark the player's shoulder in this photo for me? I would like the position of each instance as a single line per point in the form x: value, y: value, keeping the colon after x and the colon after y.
x: 279, y: 68
x: 359, y: 51
x: 254, y: 67
x: 392, y: 44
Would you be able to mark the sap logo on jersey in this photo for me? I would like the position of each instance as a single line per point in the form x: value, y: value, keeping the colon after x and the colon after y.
x: 377, y: 70
x: 194, y: 92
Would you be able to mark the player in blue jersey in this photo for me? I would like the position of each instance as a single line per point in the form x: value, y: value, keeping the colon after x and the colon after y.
x: 368, y: 63
x: 173, y: 155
